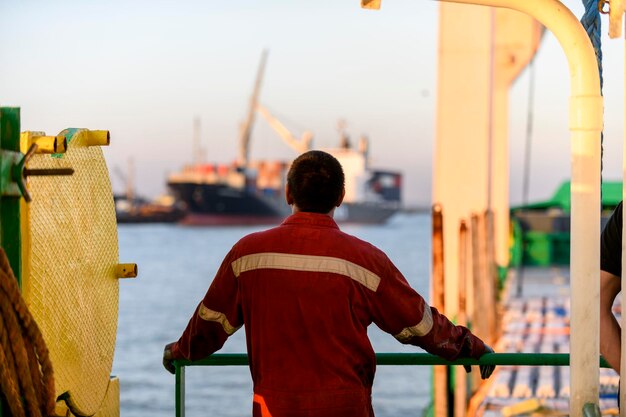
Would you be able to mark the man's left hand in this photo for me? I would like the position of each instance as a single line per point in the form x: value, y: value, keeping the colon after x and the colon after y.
x: 168, y: 359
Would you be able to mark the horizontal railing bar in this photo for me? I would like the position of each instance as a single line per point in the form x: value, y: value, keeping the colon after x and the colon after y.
x: 524, y: 359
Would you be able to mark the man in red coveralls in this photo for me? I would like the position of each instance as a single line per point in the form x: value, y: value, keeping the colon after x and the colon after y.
x: 306, y: 293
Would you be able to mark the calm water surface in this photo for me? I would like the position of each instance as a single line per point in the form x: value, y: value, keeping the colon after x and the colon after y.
x: 176, y: 266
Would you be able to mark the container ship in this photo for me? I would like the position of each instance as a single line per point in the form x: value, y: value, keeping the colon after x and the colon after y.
x: 254, y: 194
x: 252, y: 191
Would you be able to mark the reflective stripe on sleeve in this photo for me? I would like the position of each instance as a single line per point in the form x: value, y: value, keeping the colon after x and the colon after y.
x: 308, y: 263
x: 210, y: 315
x: 420, y: 329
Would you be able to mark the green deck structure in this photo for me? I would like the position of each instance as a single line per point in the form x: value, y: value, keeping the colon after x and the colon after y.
x: 541, y: 230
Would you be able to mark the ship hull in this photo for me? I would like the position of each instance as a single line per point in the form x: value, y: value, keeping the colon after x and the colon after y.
x: 214, y: 205
x: 209, y: 219
x: 364, y: 213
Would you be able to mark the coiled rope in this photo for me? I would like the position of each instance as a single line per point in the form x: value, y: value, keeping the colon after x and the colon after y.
x: 26, y: 375
x: 593, y: 26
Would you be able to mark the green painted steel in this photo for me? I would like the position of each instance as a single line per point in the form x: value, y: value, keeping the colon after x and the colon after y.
x: 524, y: 359
x: 180, y: 390
x: 10, y: 162
x: 541, y: 231
x: 10, y: 234
x: 398, y: 359
x: 561, y: 199
x: 591, y: 410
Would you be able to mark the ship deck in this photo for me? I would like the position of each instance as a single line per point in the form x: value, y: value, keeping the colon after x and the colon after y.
x: 535, y: 319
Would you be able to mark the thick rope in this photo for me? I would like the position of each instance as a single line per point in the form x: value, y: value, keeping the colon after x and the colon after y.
x: 593, y: 26
x: 26, y: 376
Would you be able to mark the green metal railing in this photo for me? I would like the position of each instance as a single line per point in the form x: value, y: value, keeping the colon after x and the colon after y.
x: 402, y: 359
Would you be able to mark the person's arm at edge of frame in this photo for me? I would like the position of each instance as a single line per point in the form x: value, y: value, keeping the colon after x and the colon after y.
x: 610, y: 331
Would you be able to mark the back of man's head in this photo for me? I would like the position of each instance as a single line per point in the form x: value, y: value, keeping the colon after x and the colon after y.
x: 316, y: 182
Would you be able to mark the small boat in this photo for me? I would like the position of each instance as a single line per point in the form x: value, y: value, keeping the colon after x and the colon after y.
x: 139, y: 210
x: 132, y: 208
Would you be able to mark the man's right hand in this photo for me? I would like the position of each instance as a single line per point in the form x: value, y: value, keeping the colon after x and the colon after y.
x: 486, y: 370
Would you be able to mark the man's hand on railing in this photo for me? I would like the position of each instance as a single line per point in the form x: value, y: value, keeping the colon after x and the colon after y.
x: 485, y: 370
x: 168, y: 359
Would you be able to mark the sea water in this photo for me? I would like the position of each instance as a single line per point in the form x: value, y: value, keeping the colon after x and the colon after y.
x: 176, y: 266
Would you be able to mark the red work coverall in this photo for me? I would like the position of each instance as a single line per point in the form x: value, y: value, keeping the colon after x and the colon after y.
x: 306, y: 293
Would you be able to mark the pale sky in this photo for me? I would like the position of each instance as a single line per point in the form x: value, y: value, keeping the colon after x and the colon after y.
x: 145, y: 69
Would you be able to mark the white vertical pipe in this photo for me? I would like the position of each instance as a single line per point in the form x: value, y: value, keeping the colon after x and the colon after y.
x: 585, y: 272
x: 586, y: 107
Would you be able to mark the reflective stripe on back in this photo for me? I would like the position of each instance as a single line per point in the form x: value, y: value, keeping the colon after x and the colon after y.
x: 308, y: 263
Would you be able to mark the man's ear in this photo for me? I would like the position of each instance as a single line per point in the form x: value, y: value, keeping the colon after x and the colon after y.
x: 288, y: 195
x: 340, y: 200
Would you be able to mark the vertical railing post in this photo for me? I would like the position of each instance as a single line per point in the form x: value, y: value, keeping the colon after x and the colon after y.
x: 492, y: 274
x: 440, y: 378
x: 460, y: 389
x: 477, y: 320
x: 179, y: 392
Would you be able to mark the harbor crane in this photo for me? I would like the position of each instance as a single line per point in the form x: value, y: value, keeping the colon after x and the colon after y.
x: 299, y: 145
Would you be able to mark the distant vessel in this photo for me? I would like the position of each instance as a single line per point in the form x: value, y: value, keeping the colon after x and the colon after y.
x: 139, y: 210
x: 252, y: 192
x: 222, y: 194
x: 130, y: 208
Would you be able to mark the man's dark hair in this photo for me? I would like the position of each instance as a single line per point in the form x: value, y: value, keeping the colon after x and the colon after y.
x: 316, y: 181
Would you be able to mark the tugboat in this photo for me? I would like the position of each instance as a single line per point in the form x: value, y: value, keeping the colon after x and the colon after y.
x: 131, y: 208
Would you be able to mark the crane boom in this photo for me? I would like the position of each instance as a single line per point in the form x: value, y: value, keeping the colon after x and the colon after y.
x: 127, y: 179
x: 246, y: 129
x: 300, y: 146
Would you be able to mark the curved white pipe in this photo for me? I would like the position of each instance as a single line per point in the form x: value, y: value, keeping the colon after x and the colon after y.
x: 585, y: 123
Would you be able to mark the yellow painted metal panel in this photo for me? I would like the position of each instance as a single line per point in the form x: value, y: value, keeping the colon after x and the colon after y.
x: 111, y: 405
x: 70, y: 283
